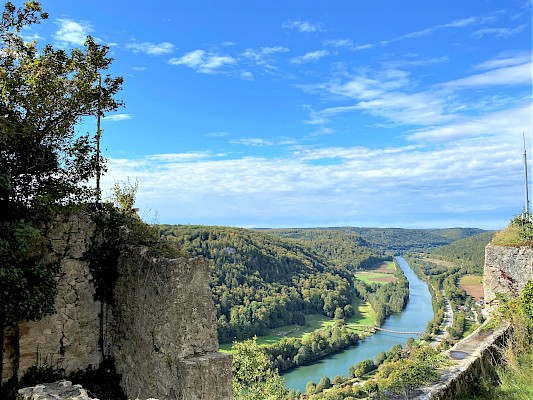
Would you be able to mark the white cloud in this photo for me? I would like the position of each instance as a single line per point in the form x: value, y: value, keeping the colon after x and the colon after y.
x: 302, y: 26
x: 255, y: 142
x: 118, y: 117
x: 500, y: 124
x: 263, y: 55
x: 202, y: 61
x: 332, y: 186
x: 246, y: 75
x: 502, y: 33
x: 217, y: 134
x: 139, y: 69
x: 514, y: 75
x: 505, y: 60
x: 309, y: 57
x: 71, y: 32
x: 153, y: 49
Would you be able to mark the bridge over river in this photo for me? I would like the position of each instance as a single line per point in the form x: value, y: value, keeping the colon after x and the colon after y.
x: 377, y: 328
x: 395, y: 330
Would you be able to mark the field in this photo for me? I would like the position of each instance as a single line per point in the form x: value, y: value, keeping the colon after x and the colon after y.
x: 364, y: 315
x: 443, y: 263
x: 381, y: 273
x: 473, y: 285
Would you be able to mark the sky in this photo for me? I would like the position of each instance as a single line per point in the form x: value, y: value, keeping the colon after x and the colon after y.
x: 314, y: 113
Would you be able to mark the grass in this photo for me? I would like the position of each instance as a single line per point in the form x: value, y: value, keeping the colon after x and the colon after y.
x: 471, y: 280
x: 374, y: 277
x: 364, y: 315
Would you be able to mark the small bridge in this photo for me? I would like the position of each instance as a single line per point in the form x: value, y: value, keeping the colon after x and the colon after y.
x: 377, y: 328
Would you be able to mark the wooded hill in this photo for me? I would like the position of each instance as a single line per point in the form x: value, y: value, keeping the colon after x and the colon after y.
x: 399, y: 240
x: 261, y: 281
x: 468, y: 252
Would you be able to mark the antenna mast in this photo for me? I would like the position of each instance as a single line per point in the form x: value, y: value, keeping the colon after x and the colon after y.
x: 526, y: 213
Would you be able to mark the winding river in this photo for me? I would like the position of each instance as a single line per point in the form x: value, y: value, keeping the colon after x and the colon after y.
x: 413, y: 318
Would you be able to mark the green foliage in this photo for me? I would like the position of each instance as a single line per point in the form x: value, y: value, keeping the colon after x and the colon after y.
x: 116, y: 229
x: 399, y: 240
x: 518, y: 232
x: 469, y: 252
x: 124, y: 194
x: 514, y: 377
x: 409, y: 372
x: 44, y: 164
x: 261, y: 281
x: 27, y: 281
x: 253, y: 377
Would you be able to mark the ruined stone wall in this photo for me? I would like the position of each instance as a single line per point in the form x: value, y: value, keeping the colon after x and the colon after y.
x: 69, y: 338
x: 161, y: 331
x: 506, y: 268
x: 471, y: 360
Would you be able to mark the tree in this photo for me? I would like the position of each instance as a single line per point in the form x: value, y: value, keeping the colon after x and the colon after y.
x: 44, y: 163
x: 253, y: 378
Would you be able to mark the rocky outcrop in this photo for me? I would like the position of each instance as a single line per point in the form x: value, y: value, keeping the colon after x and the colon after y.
x: 161, y: 330
x: 507, y: 269
x: 62, y: 390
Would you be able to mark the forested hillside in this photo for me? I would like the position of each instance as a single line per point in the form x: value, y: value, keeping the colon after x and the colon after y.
x: 261, y: 281
x: 398, y: 240
x: 467, y: 252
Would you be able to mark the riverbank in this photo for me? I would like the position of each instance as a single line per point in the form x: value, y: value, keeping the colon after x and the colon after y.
x: 415, y: 317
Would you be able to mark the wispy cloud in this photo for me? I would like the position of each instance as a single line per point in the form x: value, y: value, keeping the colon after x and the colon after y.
x: 514, y: 75
x: 255, y: 142
x: 118, y: 117
x: 71, y: 32
x: 502, y: 33
x: 309, y: 57
x: 302, y: 26
x: 203, y: 62
x: 505, y: 60
x: 138, y: 69
x: 332, y: 186
x: 217, y: 134
x: 263, y: 55
x: 153, y: 49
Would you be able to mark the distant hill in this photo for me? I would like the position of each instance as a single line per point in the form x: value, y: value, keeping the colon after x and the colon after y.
x: 399, y: 239
x: 262, y: 281
x: 468, y: 252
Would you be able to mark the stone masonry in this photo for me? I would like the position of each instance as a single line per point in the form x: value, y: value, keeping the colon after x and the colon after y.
x: 161, y: 330
x: 507, y: 268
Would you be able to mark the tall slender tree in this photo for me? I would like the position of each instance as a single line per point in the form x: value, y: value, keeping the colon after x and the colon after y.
x: 44, y: 162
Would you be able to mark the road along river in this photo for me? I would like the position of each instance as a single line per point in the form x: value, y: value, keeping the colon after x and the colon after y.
x: 413, y: 318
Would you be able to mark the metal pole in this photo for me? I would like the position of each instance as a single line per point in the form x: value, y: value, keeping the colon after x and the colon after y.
x: 525, y: 179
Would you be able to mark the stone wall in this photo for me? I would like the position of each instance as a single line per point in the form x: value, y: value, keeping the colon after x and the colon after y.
x: 471, y: 360
x: 164, y: 332
x: 507, y: 268
x: 161, y: 331
x: 69, y: 338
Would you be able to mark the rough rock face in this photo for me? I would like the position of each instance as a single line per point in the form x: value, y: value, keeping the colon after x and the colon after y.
x: 161, y: 331
x: 507, y: 268
x: 62, y: 390
x: 69, y: 338
x: 157, y: 349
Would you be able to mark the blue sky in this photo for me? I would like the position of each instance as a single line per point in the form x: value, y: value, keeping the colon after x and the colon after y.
x: 314, y: 113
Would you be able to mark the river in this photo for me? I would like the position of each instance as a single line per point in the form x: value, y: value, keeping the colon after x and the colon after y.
x: 413, y: 318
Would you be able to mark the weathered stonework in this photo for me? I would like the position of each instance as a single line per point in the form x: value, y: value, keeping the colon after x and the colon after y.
x: 69, y: 338
x: 481, y: 353
x: 164, y: 333
x: 507, y: 268
x: 62, y: 390
x: 161, y: 331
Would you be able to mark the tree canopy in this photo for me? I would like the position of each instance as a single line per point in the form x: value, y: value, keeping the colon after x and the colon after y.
x: 44, y: 162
